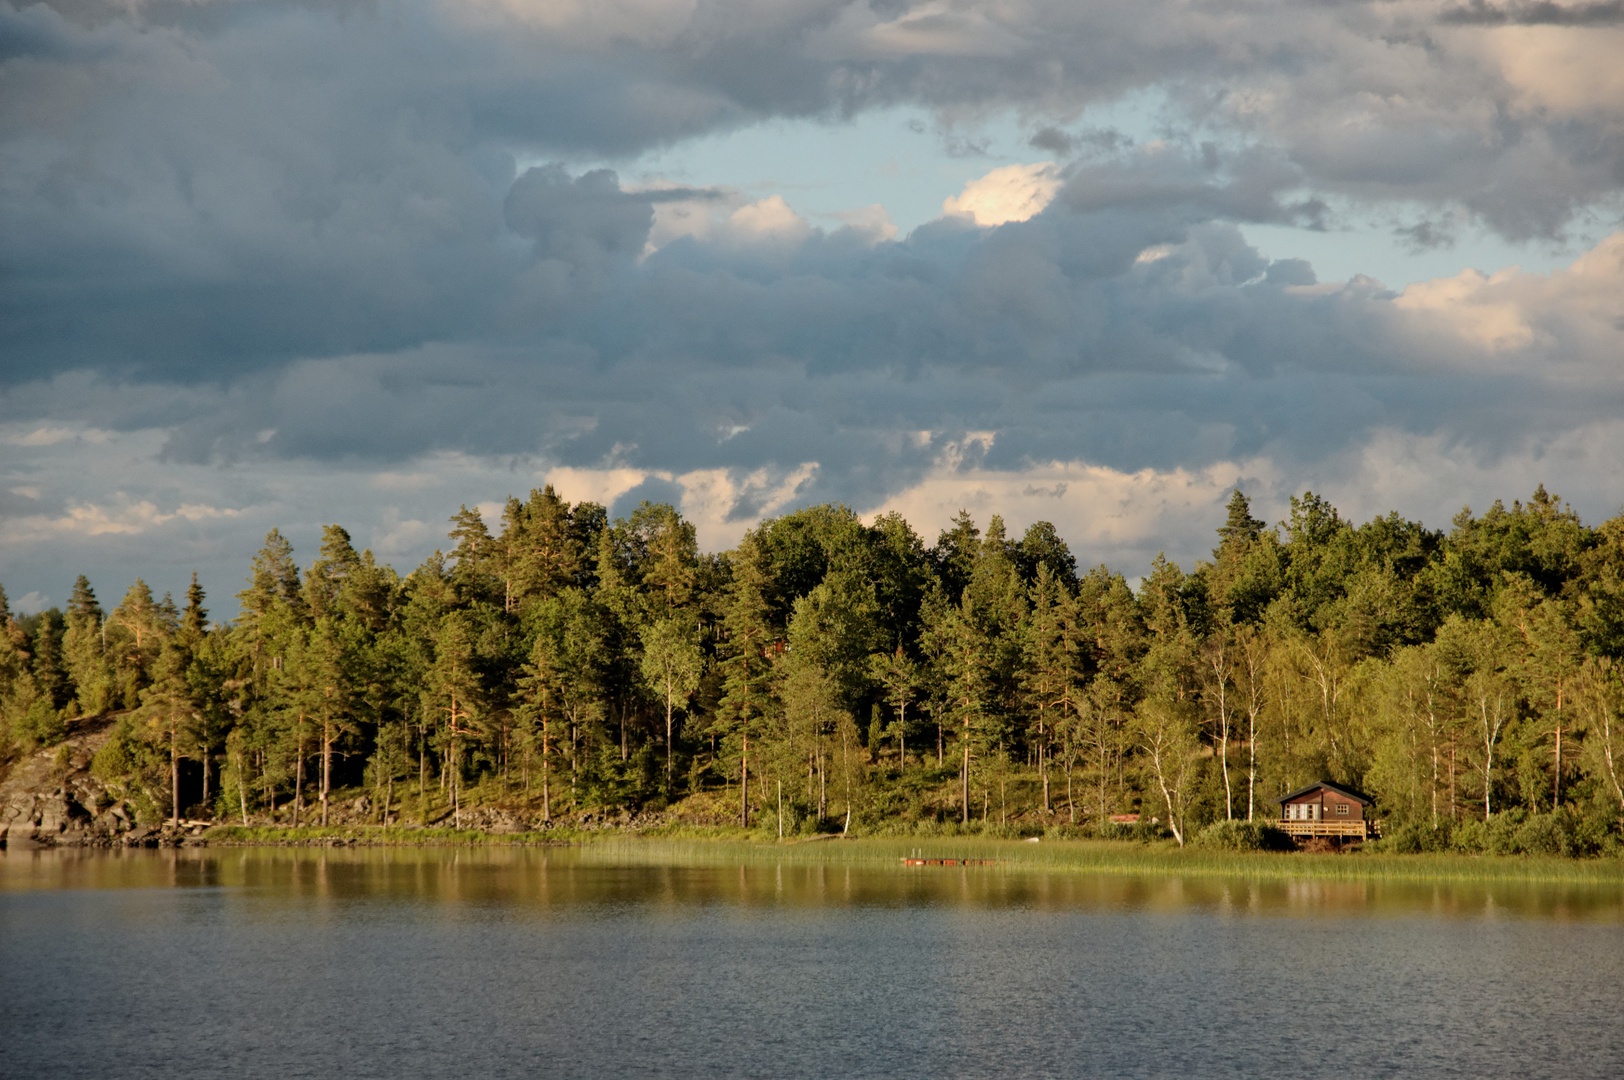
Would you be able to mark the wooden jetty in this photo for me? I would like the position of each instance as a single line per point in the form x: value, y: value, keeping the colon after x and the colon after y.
x: 947, y: 862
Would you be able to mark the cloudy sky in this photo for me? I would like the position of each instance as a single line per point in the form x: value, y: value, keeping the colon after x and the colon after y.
x: 298, y: 262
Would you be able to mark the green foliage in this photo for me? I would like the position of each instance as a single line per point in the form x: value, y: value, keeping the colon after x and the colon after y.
x: 1242, y: 836
x: 1413, y: 839
x: 1472, y: 681
x: 1514, y: 832
x: 1469, y: 837
x: 118, y: 758
x: 1542, y: 834
x: 42, y: 724
x: 1144, y: 831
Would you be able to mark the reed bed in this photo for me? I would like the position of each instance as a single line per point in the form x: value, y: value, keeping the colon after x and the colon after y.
x: 736, y: 847
x: 381, y: 836
x: 1102, y: 857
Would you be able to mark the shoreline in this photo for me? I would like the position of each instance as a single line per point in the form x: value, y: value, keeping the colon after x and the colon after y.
x: 730, y: 846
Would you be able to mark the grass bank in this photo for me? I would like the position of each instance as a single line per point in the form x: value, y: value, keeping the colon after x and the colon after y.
x: 1108, y: 857
x: 713, y: 846
x: 443, y: 836
x: 379, y: 836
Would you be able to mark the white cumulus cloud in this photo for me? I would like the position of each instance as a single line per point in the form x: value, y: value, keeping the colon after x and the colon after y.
x: 1011, y: 193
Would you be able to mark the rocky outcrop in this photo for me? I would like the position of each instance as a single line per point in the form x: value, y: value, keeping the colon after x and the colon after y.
x: 50, y: 798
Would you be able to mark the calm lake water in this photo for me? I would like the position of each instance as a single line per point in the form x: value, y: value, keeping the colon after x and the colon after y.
x: 531, y: 963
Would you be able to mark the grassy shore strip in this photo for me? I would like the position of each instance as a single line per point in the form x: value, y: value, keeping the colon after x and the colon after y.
x: 382, y: 836
x: 694, y: 847
x: 1109, y: 857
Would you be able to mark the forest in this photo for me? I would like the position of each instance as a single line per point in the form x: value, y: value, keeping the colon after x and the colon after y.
x: 836, y: 676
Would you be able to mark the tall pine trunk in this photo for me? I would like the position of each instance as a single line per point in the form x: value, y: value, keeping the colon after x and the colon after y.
x: 744, y: 782
x: 1043, y: 767
x: 299, y: 770
x: 964, y: 780
x: 326, y: 765
x: 174, y: 768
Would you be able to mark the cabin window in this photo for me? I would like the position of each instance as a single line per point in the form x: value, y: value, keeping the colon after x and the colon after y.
x: 1342, y: 809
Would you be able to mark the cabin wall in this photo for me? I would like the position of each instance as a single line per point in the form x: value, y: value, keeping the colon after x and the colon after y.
x: 1331, y: 801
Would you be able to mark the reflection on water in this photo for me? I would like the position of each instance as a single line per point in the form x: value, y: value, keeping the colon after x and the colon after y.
x: 566, y: 878
x: 563, y: 962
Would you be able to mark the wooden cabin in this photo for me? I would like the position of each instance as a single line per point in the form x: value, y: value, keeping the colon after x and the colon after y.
x: 1326, y: 809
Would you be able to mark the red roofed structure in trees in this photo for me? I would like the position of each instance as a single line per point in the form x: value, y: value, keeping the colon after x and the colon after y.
x: 1324, y: 809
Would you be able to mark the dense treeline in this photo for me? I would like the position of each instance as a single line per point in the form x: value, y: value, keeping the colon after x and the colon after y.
x: 827, y: 673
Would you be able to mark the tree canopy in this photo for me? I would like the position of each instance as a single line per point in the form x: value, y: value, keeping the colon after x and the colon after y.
x: 831, y: 673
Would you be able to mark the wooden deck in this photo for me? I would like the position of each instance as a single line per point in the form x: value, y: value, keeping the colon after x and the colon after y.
x: 1362, y: 830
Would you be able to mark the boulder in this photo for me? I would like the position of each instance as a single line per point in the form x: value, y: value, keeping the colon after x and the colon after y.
x: 15, y: 838
x: 54, y: 815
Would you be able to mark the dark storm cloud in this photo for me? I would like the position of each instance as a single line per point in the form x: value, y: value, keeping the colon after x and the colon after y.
x: 313, y: 233
x: 1479, y: 13
x: 1131, y: 332
x: 195, y: 189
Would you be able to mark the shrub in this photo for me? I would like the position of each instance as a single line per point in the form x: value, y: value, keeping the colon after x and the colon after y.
x: 1594, y: 833
x: 1502, y: 831
x: 1143, y: 832
x: 43, y: 723
x: 116, y: 760
x: 1242, y: 836
x: 1120, y: 830
x: 1008, y: 831
x: 1414, y: 838
x: 1469, y: 836
x: 1542, y: 834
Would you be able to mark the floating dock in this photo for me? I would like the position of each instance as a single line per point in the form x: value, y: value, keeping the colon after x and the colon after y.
x: 948, y: 862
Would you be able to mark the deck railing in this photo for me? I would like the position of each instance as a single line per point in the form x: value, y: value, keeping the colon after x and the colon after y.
x: 1362, y: 829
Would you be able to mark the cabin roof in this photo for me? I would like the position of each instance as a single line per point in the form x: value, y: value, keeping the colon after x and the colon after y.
x: 1362, y: 800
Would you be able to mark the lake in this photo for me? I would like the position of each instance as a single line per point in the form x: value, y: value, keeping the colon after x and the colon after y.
x: 519, y: 962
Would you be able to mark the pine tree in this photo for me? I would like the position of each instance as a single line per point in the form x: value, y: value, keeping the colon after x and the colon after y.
x: 538, y: 552
x: 1240, y: 528
x: 17, y: 692
x: 1043, y: 546
x: 84, y: 648
x: 170, y: 708
x: 454, y: 695
x: 1052, y: 650
x: 273, y: 581
x: 670, y: 556
x: 49, y: 665
x: 136, y: 633
x: 475, y: 555
x: 748, y: 642
x: 328, y: 577
x: 955, y: 554
x: 332, y: 657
